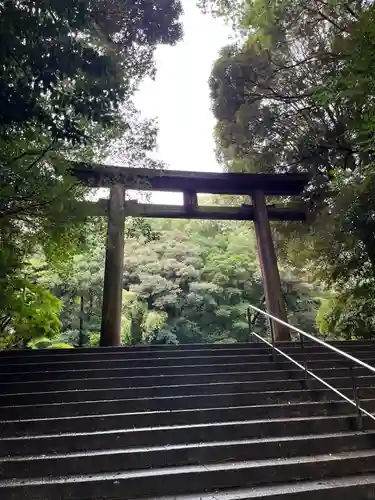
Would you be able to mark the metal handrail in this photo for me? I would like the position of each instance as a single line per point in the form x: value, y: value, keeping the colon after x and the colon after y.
x: 316, y: 339
x: 353, y: 361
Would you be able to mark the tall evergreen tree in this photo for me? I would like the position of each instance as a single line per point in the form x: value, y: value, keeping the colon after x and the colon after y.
x: 68, y: 72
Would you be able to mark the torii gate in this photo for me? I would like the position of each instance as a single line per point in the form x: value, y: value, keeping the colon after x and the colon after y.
x: 256, y: 186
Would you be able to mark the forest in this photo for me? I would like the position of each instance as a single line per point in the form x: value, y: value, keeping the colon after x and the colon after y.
x: 294, y: 92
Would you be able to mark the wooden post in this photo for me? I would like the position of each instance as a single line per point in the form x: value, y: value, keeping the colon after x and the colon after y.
x: 268, y: 264
x: 190, y: 201
x: 114, y: 269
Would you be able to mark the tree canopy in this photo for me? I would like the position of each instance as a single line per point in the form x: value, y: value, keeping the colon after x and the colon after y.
x: 68, y: 73
x: 295, y: 93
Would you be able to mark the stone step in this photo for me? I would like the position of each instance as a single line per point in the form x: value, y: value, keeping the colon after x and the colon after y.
x: 177, y: 385
x: 354, y: 487
x: 269, y: 379
x: 80, y: 422
x: 323, y: 362
x: 100, y: 372
x: 139, y: 348
x: 142, y: 363
x: 48, y: 356
x: 81, y: 383
x: 340, y: 344
x: 291, y: 371
x: 178, y: 434
x: 88, y: 390
x: 188, y: 479
x: 162, y: 398
x: 29, y: 409
x: 152, y: 421
x: 253, y: 362
x: 170, y: 455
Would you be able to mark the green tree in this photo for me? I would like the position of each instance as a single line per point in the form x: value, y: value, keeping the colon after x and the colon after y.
x: 203, y: 283
x: 32, y: 315
x: 296, y: 94
x: 191, y: 283
x: 65, y: 95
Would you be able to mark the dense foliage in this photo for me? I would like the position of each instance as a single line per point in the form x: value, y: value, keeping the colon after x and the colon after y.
x: 296, y: 93
x: 68, y: 72
x: 190, y: 282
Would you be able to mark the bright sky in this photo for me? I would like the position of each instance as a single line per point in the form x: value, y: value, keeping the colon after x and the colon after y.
x: 179, y: 97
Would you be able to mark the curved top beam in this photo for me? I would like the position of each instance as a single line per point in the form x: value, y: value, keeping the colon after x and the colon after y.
x: 95, y: 175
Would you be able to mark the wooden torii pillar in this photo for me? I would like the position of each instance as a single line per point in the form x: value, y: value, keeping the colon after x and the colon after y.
x: 114, y: 269
x: 269, y: 268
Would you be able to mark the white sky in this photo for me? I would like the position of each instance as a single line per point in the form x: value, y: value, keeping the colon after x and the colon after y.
x: 179, y: 97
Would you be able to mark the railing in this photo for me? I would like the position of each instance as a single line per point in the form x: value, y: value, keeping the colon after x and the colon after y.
x: 351, y: 360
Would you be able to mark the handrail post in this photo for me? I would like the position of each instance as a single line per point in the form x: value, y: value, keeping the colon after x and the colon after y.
x: 302, y: 342
x: 270, y: 322
x: 356, y: 398
x: 249, y: 323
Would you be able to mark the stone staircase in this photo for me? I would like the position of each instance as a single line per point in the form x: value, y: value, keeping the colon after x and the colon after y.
x: 209, y: 422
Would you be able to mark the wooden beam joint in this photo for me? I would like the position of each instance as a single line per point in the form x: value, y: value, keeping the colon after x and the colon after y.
x: 190, y: 201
